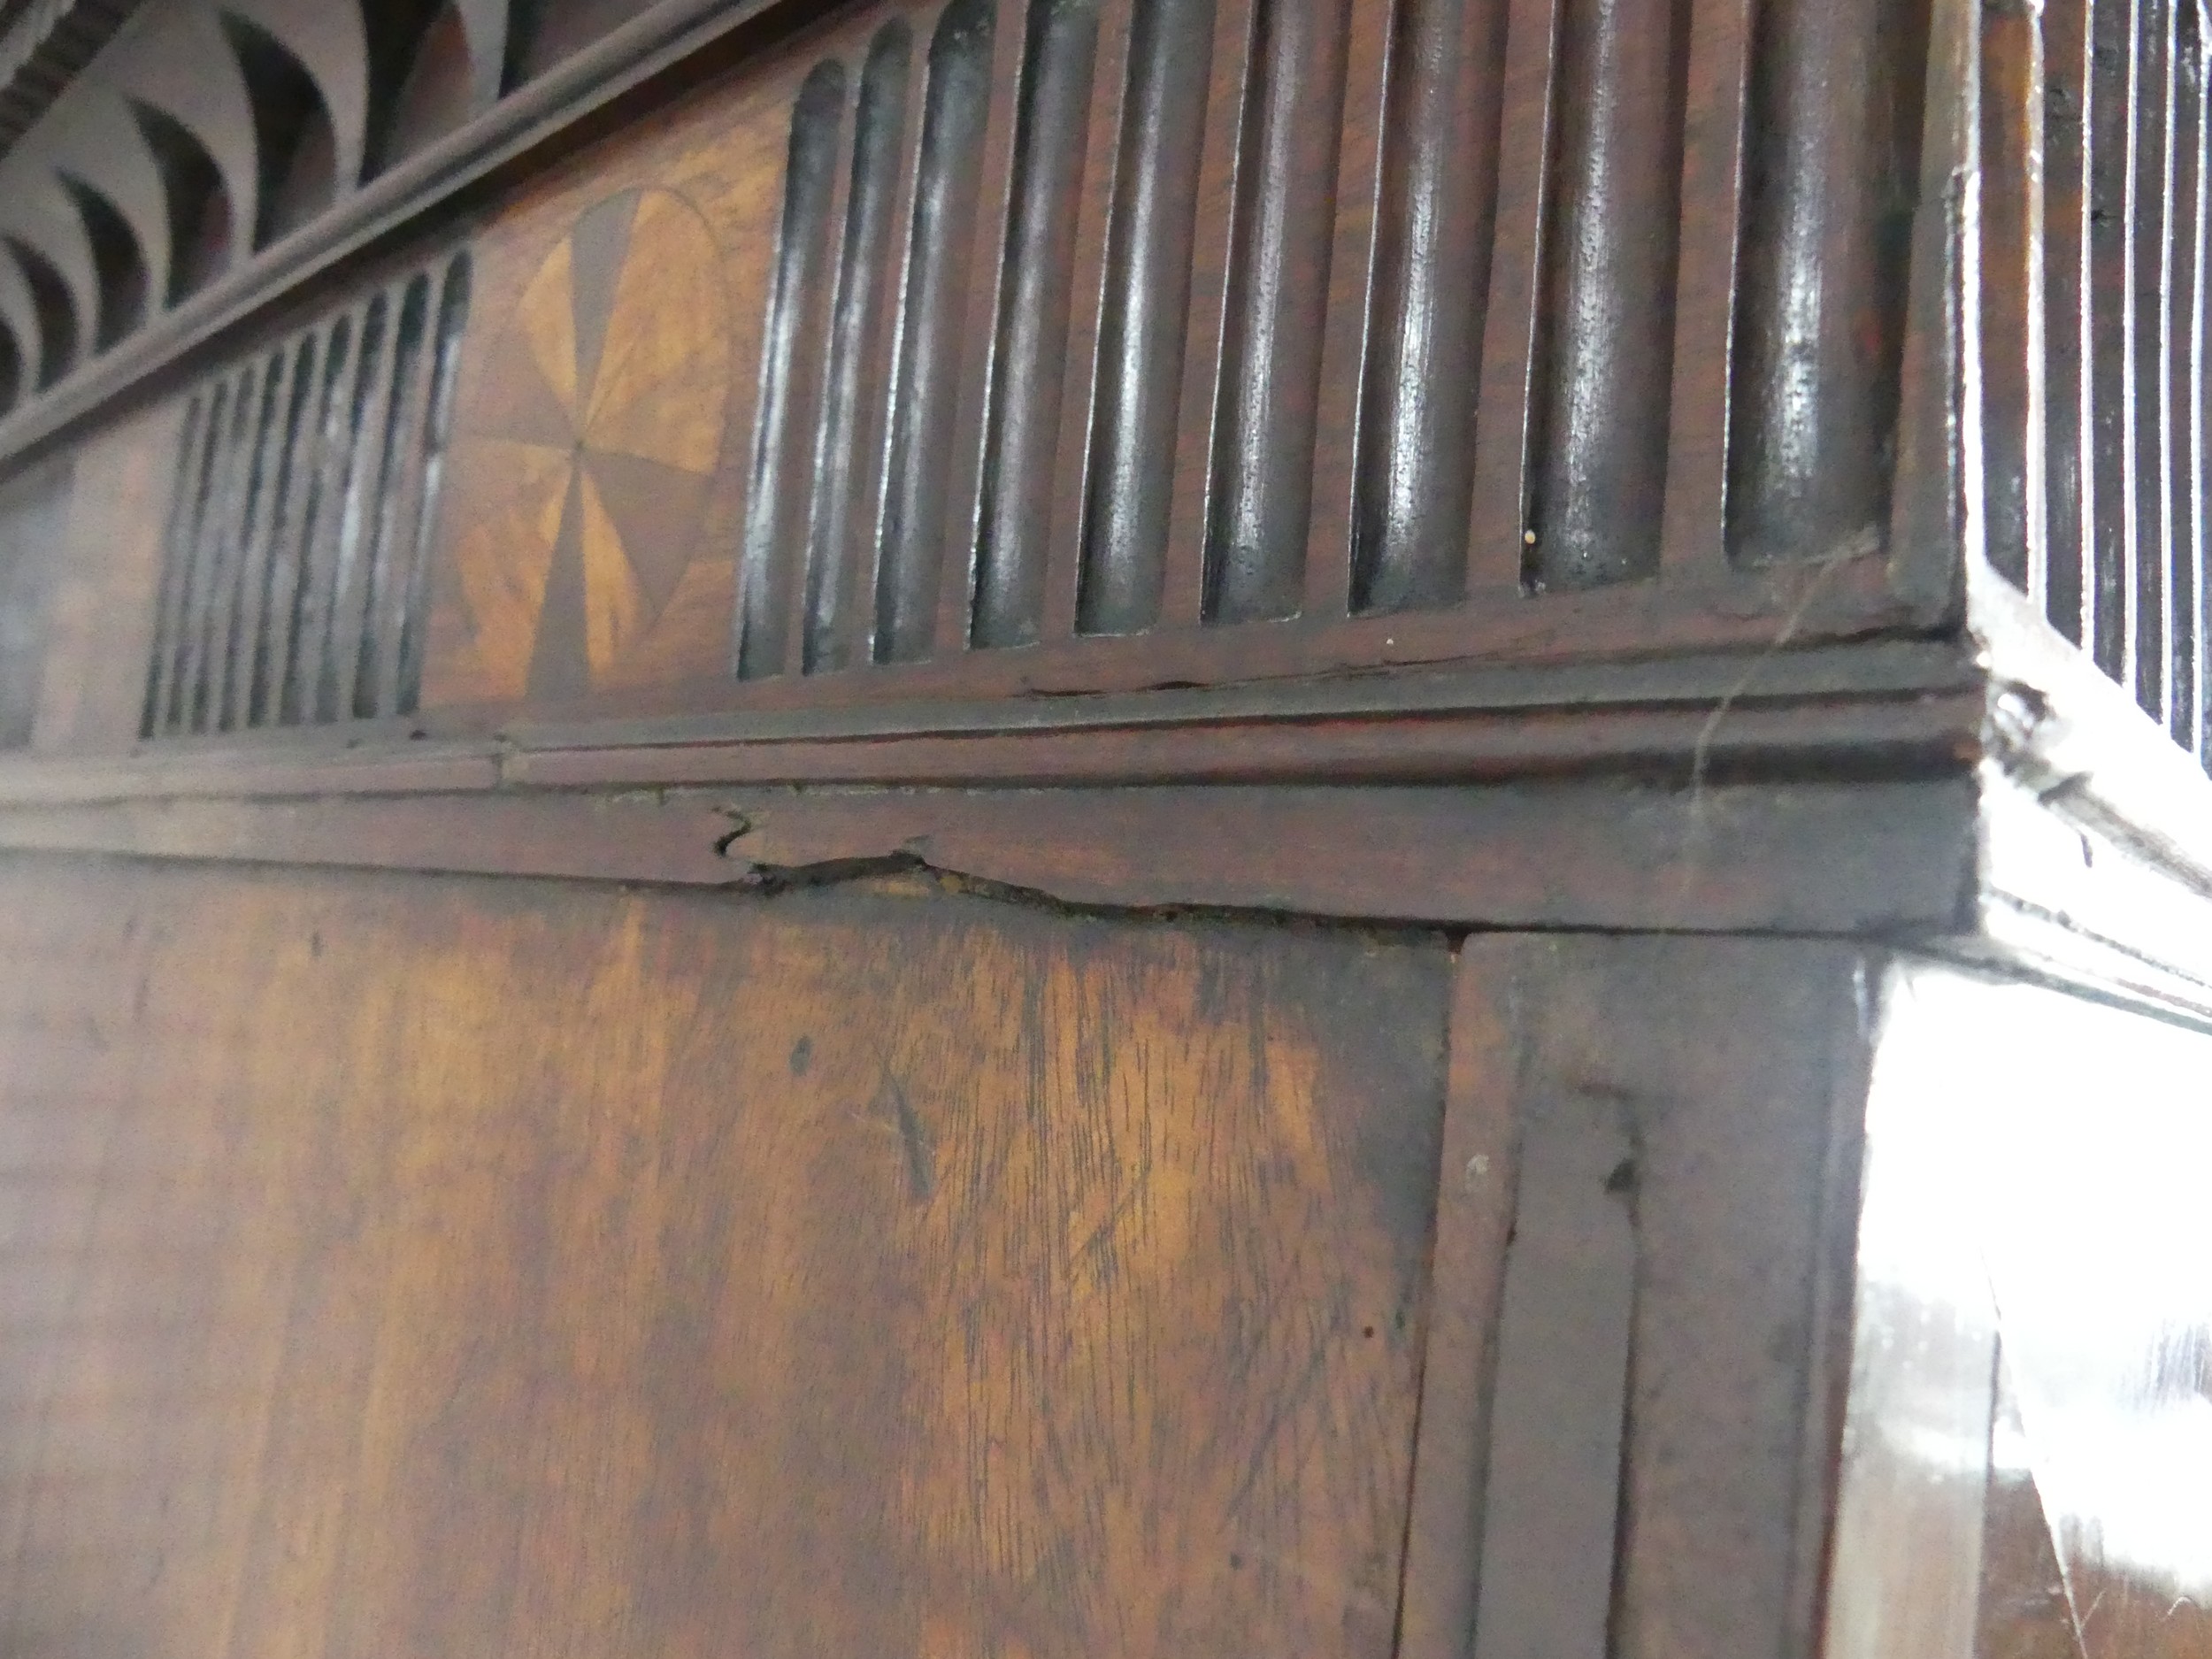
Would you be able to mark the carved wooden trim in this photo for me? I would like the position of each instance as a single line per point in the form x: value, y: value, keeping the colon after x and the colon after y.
x: 1476, y: 1187
x: 1795, y: 858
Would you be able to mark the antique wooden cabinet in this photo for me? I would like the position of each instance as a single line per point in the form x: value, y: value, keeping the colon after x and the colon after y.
x: 990, y: 829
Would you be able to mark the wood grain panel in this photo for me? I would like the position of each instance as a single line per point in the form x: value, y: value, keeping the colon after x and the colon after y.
x: 437, y: 1268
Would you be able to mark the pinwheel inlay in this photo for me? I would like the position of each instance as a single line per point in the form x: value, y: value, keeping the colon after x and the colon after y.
x: 587, y: 456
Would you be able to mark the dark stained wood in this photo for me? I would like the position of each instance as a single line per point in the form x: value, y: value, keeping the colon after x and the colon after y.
x: 1184, y: 580
x: 1831, y: 160
x: 792, y: 364
x: 1720, y: 1079
x: 1558, y: 1410
x: 1598, y: 473
x: 977, y: 274
x: 839, y: 596
x: 1040, y: 357
x: 1477, y: 1181
x: 1497, y: 553
x: 1434, y: 225
x: 1742, y: 1064
x: 1143, y: 336
x: 300, y: 507
x: 520, y: 1305
x: 1912, y: 707
x: 1590, y: 855
x: 911, y: 552
x: 278, y: 768
x: 1934, y: 488
x: 1916, y: 734
x: 1347, y: 323
x: 1716, y: 97
x: 1277, y: 304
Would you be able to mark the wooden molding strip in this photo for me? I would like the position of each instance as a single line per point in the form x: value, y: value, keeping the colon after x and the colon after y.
x: 1930, y: 733
x: 1903, y: 707
x: 1923, y: 733
x: 1475, y: 1189
x: 964, y: 702
x: 1822, y: 858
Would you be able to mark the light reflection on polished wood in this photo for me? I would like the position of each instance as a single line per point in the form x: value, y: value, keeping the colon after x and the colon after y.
x: 441, y: 1270
x: 2029, y: 1465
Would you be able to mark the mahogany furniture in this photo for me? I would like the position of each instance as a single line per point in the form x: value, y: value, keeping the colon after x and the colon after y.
x: 989, y: 829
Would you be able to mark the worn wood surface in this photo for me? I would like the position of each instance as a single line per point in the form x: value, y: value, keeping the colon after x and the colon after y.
x: 1838, y: 858
x: 459, y: 1266
x: 1477, y: 1181
x: 1635, y: 1457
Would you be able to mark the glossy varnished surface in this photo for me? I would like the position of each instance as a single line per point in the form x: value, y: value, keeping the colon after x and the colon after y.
x: 460, y: 1267
x: 2028, y: 1467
